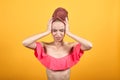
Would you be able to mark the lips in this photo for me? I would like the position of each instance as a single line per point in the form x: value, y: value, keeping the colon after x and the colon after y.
x: 58, y: 38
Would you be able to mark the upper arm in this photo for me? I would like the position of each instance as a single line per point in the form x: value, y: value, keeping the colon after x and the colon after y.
x: 33, y: 45
x: 82, y: 47
x: 73, y: 44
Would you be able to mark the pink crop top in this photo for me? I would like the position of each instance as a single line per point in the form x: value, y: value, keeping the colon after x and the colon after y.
x: 58, y: 63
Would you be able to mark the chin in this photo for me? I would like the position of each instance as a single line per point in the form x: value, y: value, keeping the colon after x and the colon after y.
x: 60, y: 40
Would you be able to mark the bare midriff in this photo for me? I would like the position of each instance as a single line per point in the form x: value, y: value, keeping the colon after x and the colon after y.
x: 58, y: 75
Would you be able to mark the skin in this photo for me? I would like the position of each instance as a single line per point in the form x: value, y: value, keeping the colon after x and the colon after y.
x: 58, y: 48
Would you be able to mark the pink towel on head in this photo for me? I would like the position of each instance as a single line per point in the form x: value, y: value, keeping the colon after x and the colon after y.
x: 58, y: 63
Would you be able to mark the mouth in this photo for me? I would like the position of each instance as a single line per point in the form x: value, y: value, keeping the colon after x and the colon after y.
x: 58, y: 38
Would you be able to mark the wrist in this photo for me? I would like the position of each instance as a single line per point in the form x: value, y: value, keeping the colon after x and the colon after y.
x: 48, y: 31
x: 68, y: 32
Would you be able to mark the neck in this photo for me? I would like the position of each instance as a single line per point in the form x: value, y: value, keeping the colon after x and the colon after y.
x: 58, y: 43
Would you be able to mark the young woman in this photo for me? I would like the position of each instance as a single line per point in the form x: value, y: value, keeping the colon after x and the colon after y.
x: 58, y: 56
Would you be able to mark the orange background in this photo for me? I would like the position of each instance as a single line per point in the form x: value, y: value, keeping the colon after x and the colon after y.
x: 95, y: 20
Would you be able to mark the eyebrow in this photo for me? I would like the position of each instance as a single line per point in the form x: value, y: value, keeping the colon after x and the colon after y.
x: 59, y: 29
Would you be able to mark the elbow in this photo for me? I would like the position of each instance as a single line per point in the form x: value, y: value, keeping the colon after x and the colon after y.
x: 89, y: 46
x: 25, y: 43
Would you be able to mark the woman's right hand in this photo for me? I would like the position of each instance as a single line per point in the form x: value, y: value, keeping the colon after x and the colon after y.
x: 49, y: 25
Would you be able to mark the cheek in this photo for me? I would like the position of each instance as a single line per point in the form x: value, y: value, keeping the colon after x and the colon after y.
x: 63, y: 34
x: 53, y: 34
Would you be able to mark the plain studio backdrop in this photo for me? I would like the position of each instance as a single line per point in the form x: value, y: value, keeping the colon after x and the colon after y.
x: 95, y: 20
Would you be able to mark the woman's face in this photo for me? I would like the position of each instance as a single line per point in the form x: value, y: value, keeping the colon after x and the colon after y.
x: 58, y: 30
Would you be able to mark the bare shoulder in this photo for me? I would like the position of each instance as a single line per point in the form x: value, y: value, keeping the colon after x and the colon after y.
x: 71, y: 44
x: 46, y: 43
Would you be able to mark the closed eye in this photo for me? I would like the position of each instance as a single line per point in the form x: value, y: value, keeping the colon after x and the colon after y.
x: 54, y: 30
x: 61, y: 30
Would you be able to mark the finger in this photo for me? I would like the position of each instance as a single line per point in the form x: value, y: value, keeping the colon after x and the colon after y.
x: 66, y: 19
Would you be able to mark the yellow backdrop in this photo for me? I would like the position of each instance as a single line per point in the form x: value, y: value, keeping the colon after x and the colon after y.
x: 95, y: 20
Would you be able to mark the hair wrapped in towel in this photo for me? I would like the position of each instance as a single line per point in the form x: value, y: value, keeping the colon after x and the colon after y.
x: 60, y: 14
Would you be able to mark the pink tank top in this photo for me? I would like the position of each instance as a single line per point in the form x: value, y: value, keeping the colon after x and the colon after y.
x: 58, y: 63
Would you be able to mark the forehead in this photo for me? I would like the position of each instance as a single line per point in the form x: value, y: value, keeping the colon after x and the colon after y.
x: 58, y: 25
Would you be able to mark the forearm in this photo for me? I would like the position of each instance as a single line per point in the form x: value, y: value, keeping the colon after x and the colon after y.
x: 86, y: 45
x: 34, y: 38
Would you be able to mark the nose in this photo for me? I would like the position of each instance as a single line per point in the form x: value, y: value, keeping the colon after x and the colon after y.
x: 58, y: 33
